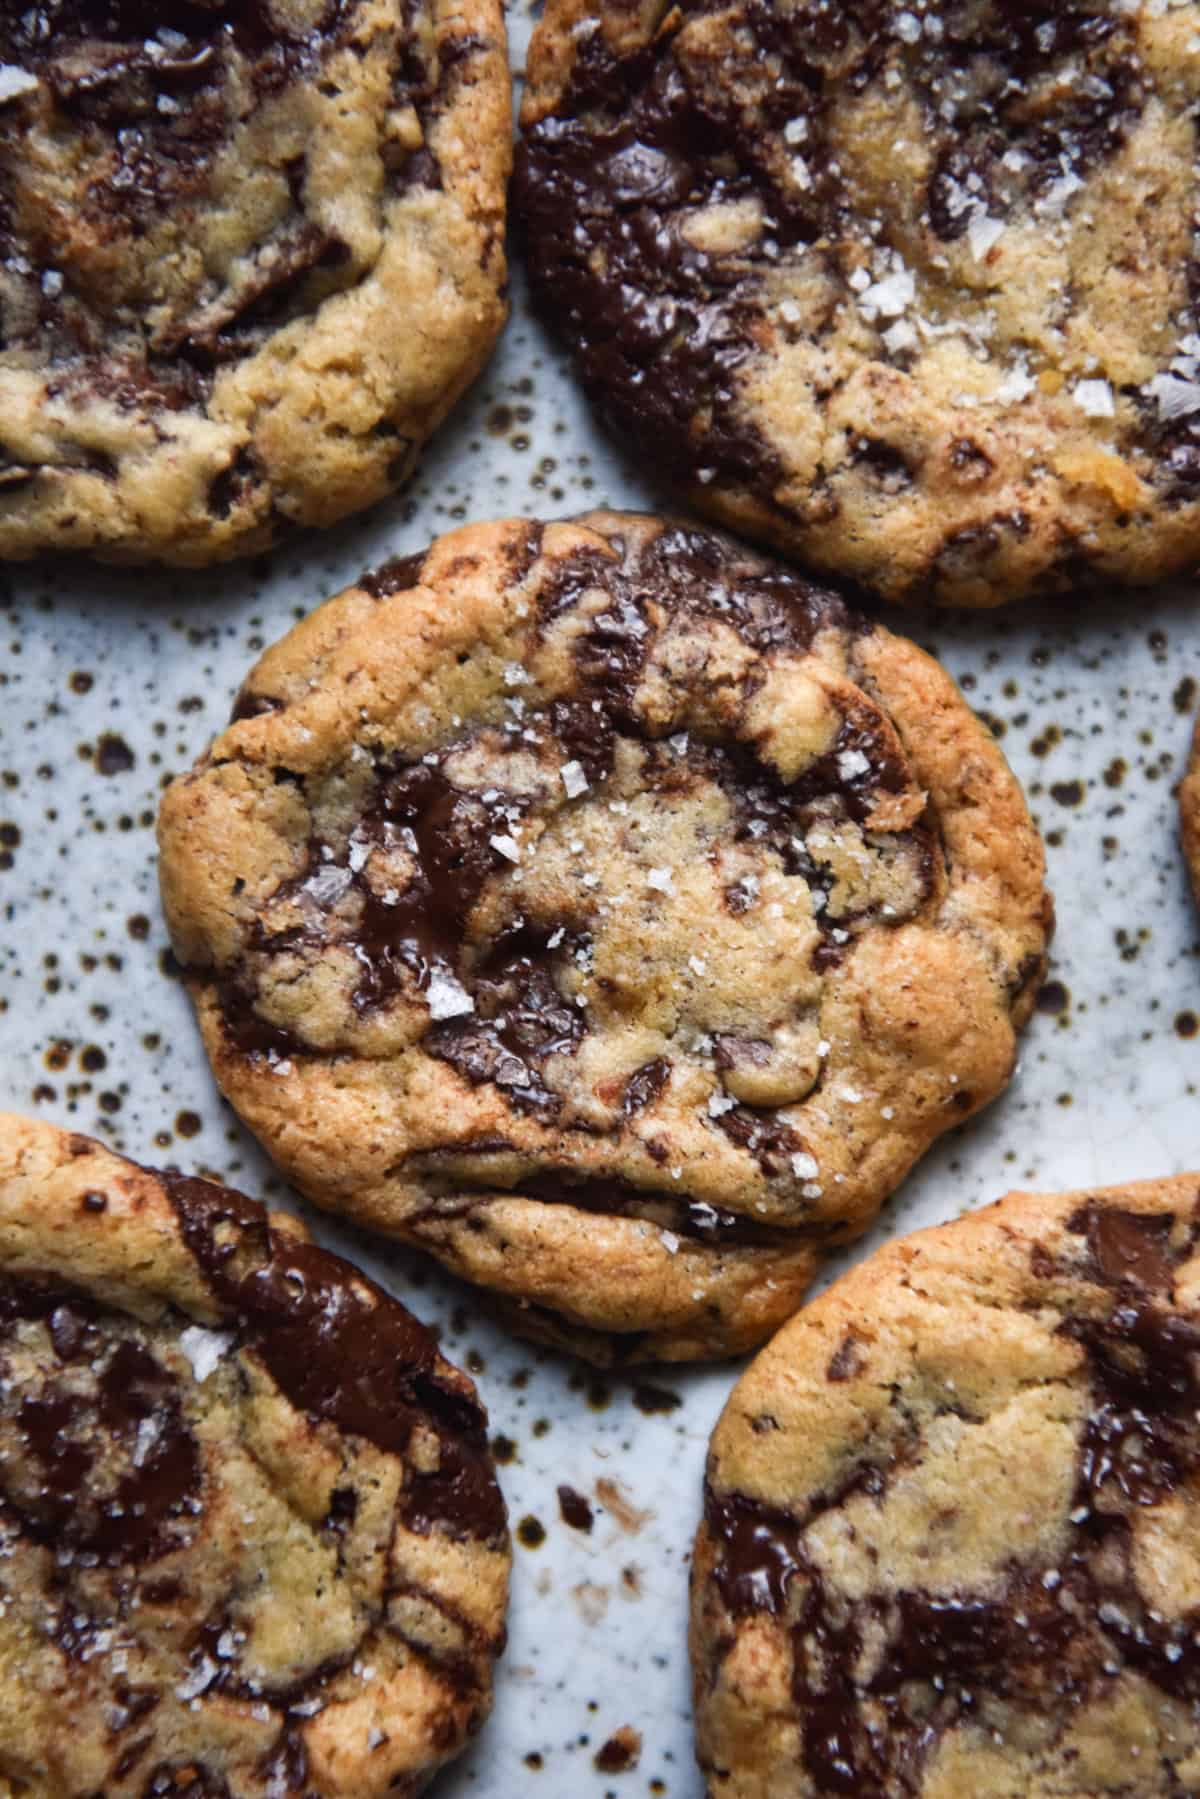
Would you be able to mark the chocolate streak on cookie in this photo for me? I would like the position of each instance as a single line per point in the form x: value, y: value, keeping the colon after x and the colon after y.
x: 120, y: 1471
x: 878, y: 1682
x: 520, y: 1019
x: 519, y: 1015
x: 154, y: 95
x: 344, y: 1351
x: 449, y: 831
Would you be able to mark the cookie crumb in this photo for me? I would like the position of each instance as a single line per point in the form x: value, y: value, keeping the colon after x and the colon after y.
x: 620, y: 1753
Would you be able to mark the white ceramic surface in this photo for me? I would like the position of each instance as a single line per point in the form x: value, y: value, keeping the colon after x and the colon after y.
x: 1093, y: 698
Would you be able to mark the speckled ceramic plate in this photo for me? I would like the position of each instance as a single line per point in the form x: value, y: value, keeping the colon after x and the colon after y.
x: 109, y: 683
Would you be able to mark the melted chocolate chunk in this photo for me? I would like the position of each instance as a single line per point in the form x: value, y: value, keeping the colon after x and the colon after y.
x: 396, y: 576
x: 644, y: 1085
x: 1142, y: 1436
x: 768, y: 1139
x: 402, y: 937
x: 759, y: 1552
x: 254, y: 705
x: 520, y: 1019
x: 343, y: 1350
x: 631, y: 144
x: 1128, y: 1248
x: 119, y: 1473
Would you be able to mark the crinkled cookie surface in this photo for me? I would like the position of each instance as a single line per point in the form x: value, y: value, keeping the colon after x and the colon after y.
x: 608, y: 911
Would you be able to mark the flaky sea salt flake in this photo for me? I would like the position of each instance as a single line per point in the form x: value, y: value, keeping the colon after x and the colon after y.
x: 1095, y: 398
x: 199, y: 1680
x: 573, y: 779
x: 900, y: 336
x: 204, y: 1348
x: 890, y: 296
x: 983, y: 234
x: 1175, y: 397
x: 14, y: 81
x: 446, y: 998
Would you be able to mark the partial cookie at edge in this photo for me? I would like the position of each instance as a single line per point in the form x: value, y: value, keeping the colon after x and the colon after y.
x: 908, y: 293
x: 949, y: 1542
x: 251, y: 1527
x: 250, y: 265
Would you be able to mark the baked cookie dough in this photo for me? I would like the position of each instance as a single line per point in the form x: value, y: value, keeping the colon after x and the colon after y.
x: 251, y: 251
x: 950, y: 1543
x: 251, y: 1541
x: 906, y: 289
x: 611, y: 913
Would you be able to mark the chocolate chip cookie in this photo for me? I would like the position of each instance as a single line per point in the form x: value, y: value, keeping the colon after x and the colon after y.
x: 608, y: 911
x: 909, y: 290
x: 950, y: 1532
x: 250, y: 253
x: 251, y: 1541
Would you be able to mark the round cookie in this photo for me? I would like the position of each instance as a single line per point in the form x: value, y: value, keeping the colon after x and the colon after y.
x: 609, y: 912
x: 951, y: 1540
x: 906, y: 290
x: 250, y: 254
x: 1189, y: 813
x: 251, y: 1540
